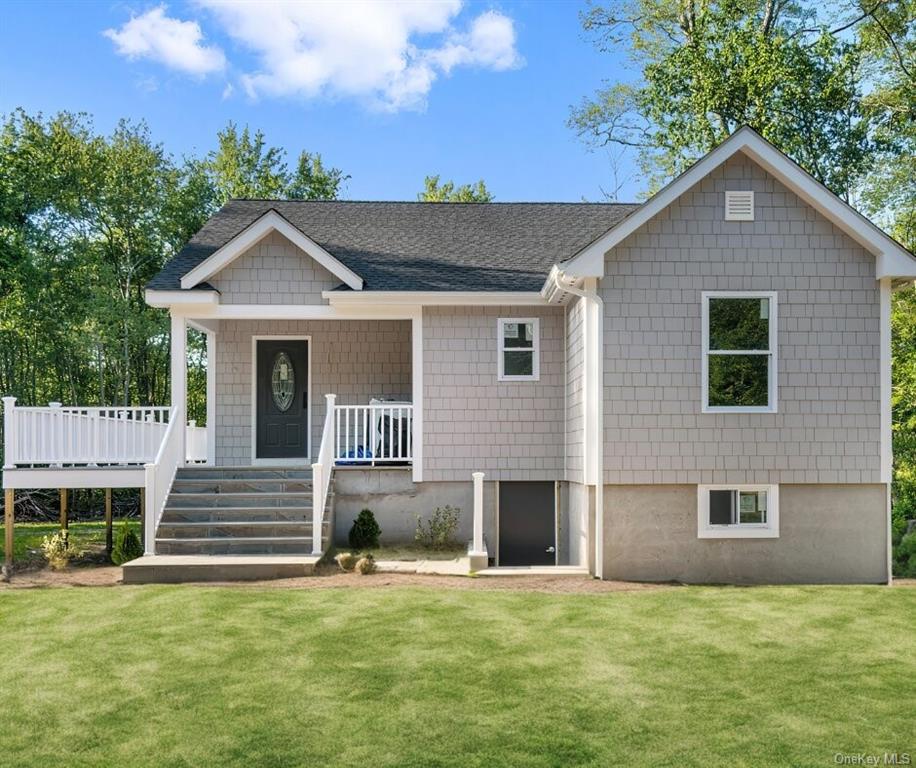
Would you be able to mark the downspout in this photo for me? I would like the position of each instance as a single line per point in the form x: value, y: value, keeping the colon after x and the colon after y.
x: 593, y: 297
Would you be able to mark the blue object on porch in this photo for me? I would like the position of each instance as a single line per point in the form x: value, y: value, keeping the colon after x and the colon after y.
x: 355, y: 454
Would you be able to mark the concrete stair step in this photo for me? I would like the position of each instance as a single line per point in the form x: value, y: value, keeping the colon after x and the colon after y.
x: 242, y: 485
x: 257, y: 499
x: 233, y: 473
x: 225, y: 514
x: 236, y: 529
x: 173, y: 569
x: 235, y: 545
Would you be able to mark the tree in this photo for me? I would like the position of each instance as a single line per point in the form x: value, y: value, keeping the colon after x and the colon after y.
x: 243, y: 166
x: 709, y: 67
x: 447, y: 192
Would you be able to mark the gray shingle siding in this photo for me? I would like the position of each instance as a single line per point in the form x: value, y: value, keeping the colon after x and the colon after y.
x: 273, y: 272
x: 827, y: 429
x: 354, y: 359
x: 472, y: 421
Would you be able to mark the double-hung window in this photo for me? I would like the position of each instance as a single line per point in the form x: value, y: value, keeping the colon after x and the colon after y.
x: 737, y: 511
x: 519, y: 347
x: 739, y: 352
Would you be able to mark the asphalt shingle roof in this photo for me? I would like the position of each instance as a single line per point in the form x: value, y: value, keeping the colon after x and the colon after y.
x: 420, y: 246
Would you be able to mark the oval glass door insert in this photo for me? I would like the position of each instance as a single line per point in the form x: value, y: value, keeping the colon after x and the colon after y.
x: 283, y: 381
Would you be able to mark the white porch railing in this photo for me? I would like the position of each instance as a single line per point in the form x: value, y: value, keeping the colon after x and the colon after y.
x: 321, y: 474
x: 158, y: 481
x: 59, y: 435
x: 374, y: 434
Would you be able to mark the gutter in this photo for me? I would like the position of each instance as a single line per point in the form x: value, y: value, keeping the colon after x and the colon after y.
x: 591, y: 296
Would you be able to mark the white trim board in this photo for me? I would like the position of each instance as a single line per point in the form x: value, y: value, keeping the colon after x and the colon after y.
x: 74, y: 477
x: 893, y: 260
x: 297, y: 460
x: 253, y: 234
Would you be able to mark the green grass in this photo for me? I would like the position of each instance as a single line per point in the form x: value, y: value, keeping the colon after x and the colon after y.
x: 413, y: 676
x: 84, y: 537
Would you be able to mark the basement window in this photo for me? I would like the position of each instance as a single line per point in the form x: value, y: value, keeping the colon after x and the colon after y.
x: 739, y: 353
x: 519, y: 349
x: 738, y: 511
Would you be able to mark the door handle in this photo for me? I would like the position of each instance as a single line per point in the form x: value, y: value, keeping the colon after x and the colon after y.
x: 551, y: 550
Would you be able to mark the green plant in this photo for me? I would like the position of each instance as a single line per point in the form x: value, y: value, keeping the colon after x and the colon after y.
x: 127, y: 546
x: 439, y: 531
x: 365, y: 531
x: 905, y: 557
x: 346, y: 561
x: 366, y: 565
x: 56, y: 549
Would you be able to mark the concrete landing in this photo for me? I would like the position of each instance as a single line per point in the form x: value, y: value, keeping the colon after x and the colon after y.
x: 174, y: 569
x: 535, y: 570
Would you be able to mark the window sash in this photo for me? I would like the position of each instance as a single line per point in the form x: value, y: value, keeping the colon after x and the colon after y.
x: 772, y: 367
x: 737, y: 529
x: 533, y: 349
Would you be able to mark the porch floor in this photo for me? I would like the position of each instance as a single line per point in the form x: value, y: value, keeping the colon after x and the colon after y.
x: 173, y: 569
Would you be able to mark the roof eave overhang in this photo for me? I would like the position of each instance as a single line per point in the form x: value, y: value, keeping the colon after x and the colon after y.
x: 166, y: 299
x: 433, y: 298
x: 892, y: 260
x: 269, y: 222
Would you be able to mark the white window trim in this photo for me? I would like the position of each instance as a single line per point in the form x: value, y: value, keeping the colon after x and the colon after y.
x: 772, y: 353
x: 500, y: 349
x: 768, y: 530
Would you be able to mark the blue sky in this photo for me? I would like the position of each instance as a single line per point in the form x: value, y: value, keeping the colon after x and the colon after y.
x: 486, y: 95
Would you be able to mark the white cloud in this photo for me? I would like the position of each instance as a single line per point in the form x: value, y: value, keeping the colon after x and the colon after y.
x: 388, y: 52
x: 175, y: 43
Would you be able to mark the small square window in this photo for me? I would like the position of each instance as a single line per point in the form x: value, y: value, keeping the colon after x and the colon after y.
x: 518, y: 349
x: 732, y: 512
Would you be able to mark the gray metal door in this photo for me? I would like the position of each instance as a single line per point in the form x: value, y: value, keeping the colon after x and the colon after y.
x: 527, y: 524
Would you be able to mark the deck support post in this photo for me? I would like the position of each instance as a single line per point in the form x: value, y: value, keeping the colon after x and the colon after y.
x: 64, y: 517
x: 9, y: 500
x: 108, y: 522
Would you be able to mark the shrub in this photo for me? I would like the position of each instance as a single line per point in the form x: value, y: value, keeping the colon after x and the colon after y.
x: 346, y: 561
x: 366, y: 565
x: 57, y: 550
x: 127, y: 546
x: 439, y: 531
x: 905, y: 557
x: 365, y: 531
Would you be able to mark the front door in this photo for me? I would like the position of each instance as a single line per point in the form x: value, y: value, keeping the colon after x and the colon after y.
x: 527, y: 524
x: 282, y: 407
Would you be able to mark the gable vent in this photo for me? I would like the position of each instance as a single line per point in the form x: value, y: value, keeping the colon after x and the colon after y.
x: 739, y: 206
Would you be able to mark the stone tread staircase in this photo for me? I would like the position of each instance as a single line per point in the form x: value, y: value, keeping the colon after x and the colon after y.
x: 238, y: 511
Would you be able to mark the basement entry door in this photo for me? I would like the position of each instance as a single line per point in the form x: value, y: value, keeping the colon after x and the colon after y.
x: 527, y: 524
x: 282, y: 399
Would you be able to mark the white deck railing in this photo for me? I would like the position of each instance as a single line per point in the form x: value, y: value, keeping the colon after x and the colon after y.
x: 158, y: 481
x: 321, y: 474
x: 59, y: 435
x: 374, y: 434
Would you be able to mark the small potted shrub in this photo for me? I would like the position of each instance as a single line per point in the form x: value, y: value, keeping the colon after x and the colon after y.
x: 127, y: 546
x: 365, y: 531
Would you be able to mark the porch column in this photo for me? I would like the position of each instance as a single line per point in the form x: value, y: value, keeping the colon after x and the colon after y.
x: 477, y: 546
x: 211, y: 397
x: 179, y: 377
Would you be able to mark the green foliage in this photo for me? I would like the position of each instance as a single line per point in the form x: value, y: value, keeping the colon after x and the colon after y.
x: 447, y: 192
x: 438, y: 532
x: 365, y: 531
x: 243, y: 166
x: 56, y: 549
x: 127, y: 545
x: 709, y: 68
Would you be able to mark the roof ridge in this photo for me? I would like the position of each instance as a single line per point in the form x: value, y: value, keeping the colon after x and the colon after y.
x: 426, y: 202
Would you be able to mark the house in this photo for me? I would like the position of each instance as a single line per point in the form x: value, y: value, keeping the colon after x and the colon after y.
x: 696, y: 388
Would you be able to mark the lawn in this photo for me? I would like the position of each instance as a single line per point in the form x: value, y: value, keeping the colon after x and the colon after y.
x: 413, y: 676
x: 88, y: 538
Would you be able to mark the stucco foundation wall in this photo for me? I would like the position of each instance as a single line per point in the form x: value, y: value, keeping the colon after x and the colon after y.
x: 511, y: 430
x: 827, y: 534
x: 274, y: 271
x: 354, y: 359
x: 827, y: 429
x: 396, y: 500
